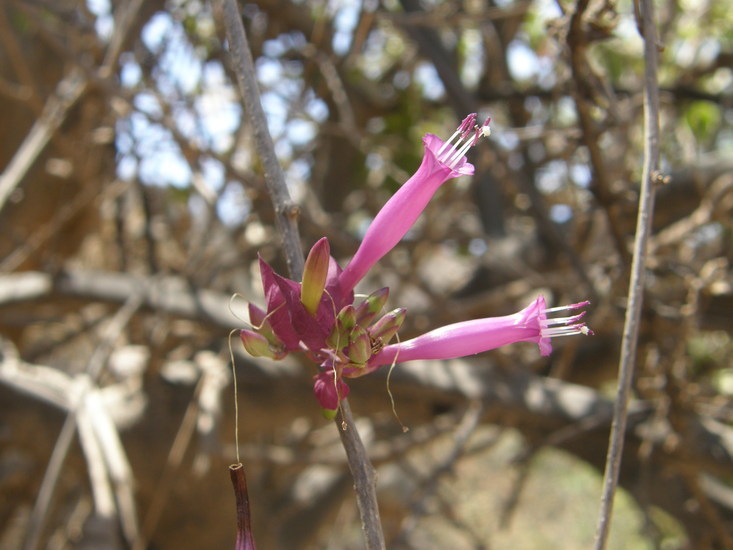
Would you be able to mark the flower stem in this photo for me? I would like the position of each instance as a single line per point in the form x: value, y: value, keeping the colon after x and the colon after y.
x: 365, y: 478
x: 638, y: 266
x: 286, y: 211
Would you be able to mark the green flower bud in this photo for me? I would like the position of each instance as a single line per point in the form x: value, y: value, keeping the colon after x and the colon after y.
x: 347, y: 317
x: 387, y: 326
x: 345, y: 322
x: 360, y: 347
x: 258, y: 346
x: 315, y: 272
x: 367, y: 311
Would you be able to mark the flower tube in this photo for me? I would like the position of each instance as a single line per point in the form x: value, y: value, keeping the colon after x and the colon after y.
x: 441, y: 161
x: 470, y: 337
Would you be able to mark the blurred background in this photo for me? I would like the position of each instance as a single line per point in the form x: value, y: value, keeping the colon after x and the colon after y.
x: 133, y: 207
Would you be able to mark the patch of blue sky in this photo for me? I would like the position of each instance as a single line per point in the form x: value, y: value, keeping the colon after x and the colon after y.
x: 473, y: 48
x: 561, y: 213
x: 522, y: 60
x: 99, y: 7
x: 213, y: 172
x: 300, y: 132
x: 546, y: 73
x: 156, y: 30
x: 126, y: 167
x: 346, y: 16
x: 104, y: 24
x: 188, y: 125
x: 283, y: 150
x: 130, y: 72
x: 233, y: 205
x: 218, y: 112
x: 297, y: 174
x: 147, y: 103
x: 182, y: 66
x: 376, y: 55
x: 477, y: 247
x: 300, y: 169
x: 276, y: 110
x: 152, y: 142
x: 185, y: 68
x: 123, y: 140
x: 144, y: 133
x: 274, y: 48
x: 149, y: 152
x: 269, y: 71
x: 581, y: 175
x: 552, y: 176
x: 217, y: 122
x: 316, y: 108
x: 506, y: 138
x: 427, y: 78
x: 374, y: 162
x: 165, y: 167
x: 206, y: 110
x: 703, y: 235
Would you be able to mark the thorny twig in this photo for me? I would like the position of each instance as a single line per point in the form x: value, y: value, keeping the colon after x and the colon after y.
x: 638, y: 266
x: 286, y: 212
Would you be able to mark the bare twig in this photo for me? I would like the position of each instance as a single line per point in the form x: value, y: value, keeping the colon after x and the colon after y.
x: 162, y: 493
x: 585, y: 89
x: 286, y: 213
x: 116, y: 463
x: 285, y: 210
x: 365, y: 478
x: 63, y: 443
x: 430, y: 483
x: 169, y: 294
x: 68, y: 91
x: 638, y: 266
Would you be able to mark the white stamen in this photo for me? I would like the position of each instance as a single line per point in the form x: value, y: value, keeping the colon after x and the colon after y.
x: 442, y: 147
x: 468, y: 131
x: 565, y: 326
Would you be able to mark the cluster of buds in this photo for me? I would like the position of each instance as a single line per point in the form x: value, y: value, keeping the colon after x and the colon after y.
x: 356, y: 336
x: 318, y: 317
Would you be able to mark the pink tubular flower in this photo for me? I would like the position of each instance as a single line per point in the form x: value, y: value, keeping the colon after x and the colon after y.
x: 318, y: 316
x: 471, y: 337
x: 441, y: 162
